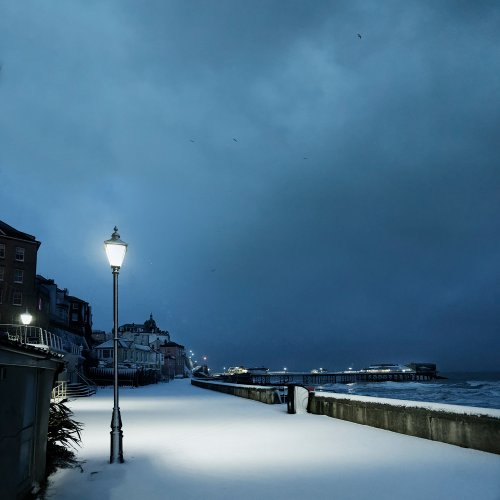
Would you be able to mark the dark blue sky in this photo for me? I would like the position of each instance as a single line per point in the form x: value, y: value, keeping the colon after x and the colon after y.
x: 292, y: 194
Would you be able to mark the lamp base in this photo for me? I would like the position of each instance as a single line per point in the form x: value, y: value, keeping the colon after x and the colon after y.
x: 116, y: 455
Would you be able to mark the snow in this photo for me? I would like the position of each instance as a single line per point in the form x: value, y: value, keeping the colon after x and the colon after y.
x: 185, y: 442
x: 459, y: 409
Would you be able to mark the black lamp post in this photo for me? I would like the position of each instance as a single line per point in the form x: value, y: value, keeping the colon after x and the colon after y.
x: 115, y: 250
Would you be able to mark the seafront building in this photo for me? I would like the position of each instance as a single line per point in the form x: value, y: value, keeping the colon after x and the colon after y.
x: 144, y: 348
x: 18, y: 258
x: 59, y: 321
x: 49, y: 346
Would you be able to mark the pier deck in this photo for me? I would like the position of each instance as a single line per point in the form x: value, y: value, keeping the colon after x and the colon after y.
x: 346, y: 377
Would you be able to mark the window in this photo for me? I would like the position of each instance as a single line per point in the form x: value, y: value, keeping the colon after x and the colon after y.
x: 106, y: 353
x: 2, y: 250
x: 2, y: 273
x: 17, y: 298
x: 18, y: 276
x: 20, y: 254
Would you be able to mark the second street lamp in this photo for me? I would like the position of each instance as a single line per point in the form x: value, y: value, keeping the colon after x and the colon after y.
x: 115, y: 250
x: 26, y: 319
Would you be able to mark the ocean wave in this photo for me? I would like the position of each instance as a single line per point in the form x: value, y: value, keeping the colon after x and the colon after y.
x: 479, y: 393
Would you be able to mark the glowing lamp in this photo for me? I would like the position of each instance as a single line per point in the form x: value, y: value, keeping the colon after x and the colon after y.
x: 115, y: 250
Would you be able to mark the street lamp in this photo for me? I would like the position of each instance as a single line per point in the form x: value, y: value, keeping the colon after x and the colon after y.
x: 26, y: 319
x: 115, y: 250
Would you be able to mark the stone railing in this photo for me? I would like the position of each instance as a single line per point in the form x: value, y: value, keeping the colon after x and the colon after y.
x: 269, y: 395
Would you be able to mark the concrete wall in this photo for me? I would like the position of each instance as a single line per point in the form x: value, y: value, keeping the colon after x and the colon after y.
x: 26, y: 380
x: 263, y: 394
x: 480, y: 432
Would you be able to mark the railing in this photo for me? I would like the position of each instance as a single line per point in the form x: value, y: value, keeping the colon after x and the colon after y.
x: 33, y: 335
x: 59, y: 392
x: 74, y: 349
x: 326, y: 378
x: 87, y: 381
x: 126, y: 376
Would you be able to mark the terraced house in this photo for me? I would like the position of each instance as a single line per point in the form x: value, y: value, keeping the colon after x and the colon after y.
x: 18, y: 257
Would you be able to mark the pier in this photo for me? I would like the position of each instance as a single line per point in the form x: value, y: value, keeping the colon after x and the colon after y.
x: 343, y: 377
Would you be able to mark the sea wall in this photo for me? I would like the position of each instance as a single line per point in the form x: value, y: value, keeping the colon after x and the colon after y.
x: 476, y: 428
x: 263, y: 394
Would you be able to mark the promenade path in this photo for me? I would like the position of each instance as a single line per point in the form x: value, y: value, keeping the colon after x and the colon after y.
x: 184, y: 442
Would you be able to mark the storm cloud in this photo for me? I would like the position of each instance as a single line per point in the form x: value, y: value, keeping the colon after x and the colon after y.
x: 292, y: 194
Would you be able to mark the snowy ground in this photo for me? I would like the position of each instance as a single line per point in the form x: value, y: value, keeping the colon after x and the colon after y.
x: 184, y: 442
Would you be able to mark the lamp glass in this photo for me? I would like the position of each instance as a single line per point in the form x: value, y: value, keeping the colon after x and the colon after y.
x: 26, y: 318
x: 115, y: 249
x: 116, y: 253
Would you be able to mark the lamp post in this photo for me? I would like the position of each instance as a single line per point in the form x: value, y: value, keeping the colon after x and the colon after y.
x: 26, y: 319
x: 115, y: 250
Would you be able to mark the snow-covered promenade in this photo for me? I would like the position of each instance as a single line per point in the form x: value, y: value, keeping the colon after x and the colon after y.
x: 184, y: 442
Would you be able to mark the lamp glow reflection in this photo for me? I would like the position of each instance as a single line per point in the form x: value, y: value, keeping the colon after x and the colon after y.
x: 115, y: 250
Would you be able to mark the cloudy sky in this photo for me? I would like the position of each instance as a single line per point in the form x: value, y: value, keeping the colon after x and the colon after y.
x: 301, y: 183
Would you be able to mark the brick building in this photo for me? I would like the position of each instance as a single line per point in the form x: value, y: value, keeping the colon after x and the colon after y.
x: 175, y: 359
x: 18, y: 257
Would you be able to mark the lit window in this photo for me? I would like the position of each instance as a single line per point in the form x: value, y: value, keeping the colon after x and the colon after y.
x: 18, y: 276
x: 20, y: 254
x: 2, y: 250
x: 17, y: 298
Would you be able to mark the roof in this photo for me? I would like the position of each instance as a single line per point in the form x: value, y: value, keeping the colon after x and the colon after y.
x: 126, y: 344
x: 172, y: 344
x: 11, y: 232
x: 72, y: 298
x: 109, y: 344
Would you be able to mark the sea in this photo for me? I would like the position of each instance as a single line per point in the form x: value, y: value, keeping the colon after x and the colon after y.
x: 479, y: 389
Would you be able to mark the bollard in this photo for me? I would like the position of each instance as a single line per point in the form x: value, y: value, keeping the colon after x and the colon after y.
x: 298, y: 398
x: 290, y: 400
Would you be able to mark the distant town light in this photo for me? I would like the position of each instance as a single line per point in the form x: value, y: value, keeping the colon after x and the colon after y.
x: 115, y: 249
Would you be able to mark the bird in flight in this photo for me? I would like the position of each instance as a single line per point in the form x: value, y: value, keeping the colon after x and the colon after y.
x: 235, y: 140
x: 191, y: 140
x: 359, y: 36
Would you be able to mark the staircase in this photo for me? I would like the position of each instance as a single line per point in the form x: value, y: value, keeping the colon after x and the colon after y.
x: 79, y: 390
x: 82, y: 389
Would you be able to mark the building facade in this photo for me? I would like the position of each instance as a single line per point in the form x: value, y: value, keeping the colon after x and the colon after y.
x: 130, y: 355
x: 175, y: 359
x: 56, y: 309
x: 55, y: 314
x: 18, y: 258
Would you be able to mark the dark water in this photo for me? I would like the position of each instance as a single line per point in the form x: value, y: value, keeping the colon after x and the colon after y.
x: 469, y: 389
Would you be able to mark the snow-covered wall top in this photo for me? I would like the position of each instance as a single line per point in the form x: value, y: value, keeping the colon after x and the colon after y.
x: 463, y: 410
